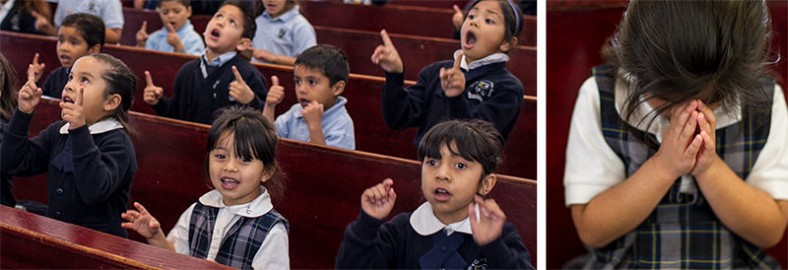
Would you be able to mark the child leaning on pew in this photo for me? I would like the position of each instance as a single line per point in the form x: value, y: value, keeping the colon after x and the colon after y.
x: 243, y: 171
x: 456, y: 228
x: 476, y: 85
x: 677, y: 154
x: 177, y: 33
x: 220, y: 77
x: 79, y: 35
x: 320, y: 74
x: 88, y: 156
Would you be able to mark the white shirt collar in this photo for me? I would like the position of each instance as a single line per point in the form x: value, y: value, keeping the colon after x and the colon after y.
x: 493, y: 58
x: 256, y: 208
x: 98, y: 127
x: 660, y: 122
x: 425, y: 223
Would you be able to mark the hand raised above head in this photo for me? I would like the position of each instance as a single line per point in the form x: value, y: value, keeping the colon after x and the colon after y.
x: 386, y: 55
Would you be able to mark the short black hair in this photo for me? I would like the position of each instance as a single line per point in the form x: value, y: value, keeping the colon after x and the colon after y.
x: 186, y: 3
x: 90, y: 26
x: 328, y: 59
x: 474, y: 140
x: 247, y: 9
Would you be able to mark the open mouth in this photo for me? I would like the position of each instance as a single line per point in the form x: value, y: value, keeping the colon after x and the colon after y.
x: 229, y: 183
x: 304, y: 102
x: 67, y: 99
x: 470, y: 40
x: 64, y: 58
x: 442, y: 195
x: 215, y: 33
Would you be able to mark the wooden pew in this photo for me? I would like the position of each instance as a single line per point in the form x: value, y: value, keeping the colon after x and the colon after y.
x: 372, y: 134
x: 575, y: 39
x: 417, y: 51
x: 324, y: 184
x: 32, y: 241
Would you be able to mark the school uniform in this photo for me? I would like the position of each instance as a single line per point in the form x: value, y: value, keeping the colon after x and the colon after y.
x: 202, y: 87
x: 336, y: 124
x: 420, y: 241
x: 604, y: 150
x: 110, y: 11
x: 289, y: 34
x: 14, y: 18
x: 211, y: 230
x: 55, y: 82
x: 491, y: 93
x: 191, y: 40
x: 90, y: 169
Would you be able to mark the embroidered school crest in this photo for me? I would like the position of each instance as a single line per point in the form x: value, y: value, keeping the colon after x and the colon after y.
x: 281, y: 33
x: 478, y: 264
x: 481, y: 90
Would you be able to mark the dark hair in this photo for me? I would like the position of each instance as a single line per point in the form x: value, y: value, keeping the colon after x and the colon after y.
x: 676, y: 51
x: 121, y: 81
x: 247, y: 9
x: 186, y: 3
x: 474, y: 140
x: 90, y: 26
x: 8, y: 89
x: 329, y: 60
x: 512, y: 16
x: 255, y: 138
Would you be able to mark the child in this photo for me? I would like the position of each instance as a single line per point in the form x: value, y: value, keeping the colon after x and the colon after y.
x: 677, y: 141
x: 456, y: 228
x: 80, y: 34
x: 321, y: 74
x: 242, y: 168
x: 482, y: 89
x: 110, y: 12
x: 8, y: 94
x: 220, y: 78
x: 282, y: 33
x: 177, y: 35
x: 88, y: 156
x: 27, y: 16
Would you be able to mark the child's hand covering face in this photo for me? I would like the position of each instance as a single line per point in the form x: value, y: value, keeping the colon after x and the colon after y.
x: 677, y: 154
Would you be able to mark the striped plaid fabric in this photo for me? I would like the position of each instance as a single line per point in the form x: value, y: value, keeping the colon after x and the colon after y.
x: 241, y: 242
x: 683, y: 231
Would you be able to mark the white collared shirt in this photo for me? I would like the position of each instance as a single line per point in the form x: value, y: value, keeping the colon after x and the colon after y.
x: 98, y: 127
x: 274, y: 252
x: 592, y: 167
x: 425, y: 223
x: 493, y: 58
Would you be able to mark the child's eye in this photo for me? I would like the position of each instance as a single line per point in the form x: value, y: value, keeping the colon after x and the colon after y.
x: 233, y: 23
x: 461, y: 166
x: 312, y: 82
x: 84, y: 80
x: 471, y: 16
x: 431, y: 162
x: 246, y: 159
x: 218, y: 16
x: 489, y: 21
x: 219, y: 156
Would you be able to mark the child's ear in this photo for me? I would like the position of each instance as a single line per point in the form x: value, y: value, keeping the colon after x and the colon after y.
x: 267, y: 174
x: 508, y: 45
x: 188, y: 11
x: 244, y: 44
x: 112, y: 102
x: 488, y: 182
x: 338, y: 88
x: 95, y: 49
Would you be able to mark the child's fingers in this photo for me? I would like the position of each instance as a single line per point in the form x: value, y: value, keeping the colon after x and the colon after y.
x: 31, y: 76
x: 457, y: 61
x: 703, y: 123
x: 80, y: 96
x: 35, y: 59
x: 708, y: 113
x: 144, y: 27
x: 456, y: 8
x: 237, y: 74
x: 694, y: 146
x: 689, y: 127
x: 275, y: 80
x: 377, y: 54
x: 141, y: 208
x: 148, y: 78
x: 386, y: 39
x: 170, y: 28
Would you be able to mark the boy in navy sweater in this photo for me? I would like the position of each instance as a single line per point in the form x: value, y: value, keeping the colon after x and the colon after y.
x: 220, y: 78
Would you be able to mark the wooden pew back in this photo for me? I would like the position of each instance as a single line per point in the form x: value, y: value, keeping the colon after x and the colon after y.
x: 26, y: 237
x: 362, y: 92
x: 320, y: 199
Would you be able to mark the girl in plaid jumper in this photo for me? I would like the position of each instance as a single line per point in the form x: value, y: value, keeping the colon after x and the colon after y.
x: 234, y: 224
x: 677, y: 155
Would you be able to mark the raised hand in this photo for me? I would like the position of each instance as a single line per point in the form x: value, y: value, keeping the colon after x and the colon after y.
x: 152, y: 93
x: 386, y: 55
x: 453, y: 80
x: 74, y: 113
x: 35, y: 68
x: 378, y: 200
x: 680, y: 145
x: 707, y: 122
x: 457, y: 17
x: 142, y: 34
x: 29, y: 95
x: 173, y: 39
x: 141, y: 222
x: 489, y: 226
x: 276, y: 94
x: 239, y: 90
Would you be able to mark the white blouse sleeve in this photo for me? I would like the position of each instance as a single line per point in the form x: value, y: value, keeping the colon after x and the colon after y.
x: 770, y: 172
x: 179, y: 235
x: 274, y: 253
x: 591, y: 166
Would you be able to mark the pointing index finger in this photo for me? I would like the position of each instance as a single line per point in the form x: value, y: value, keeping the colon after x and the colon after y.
x: 458, y: 61
x: 386, y: 39
x: 80, y: 96
x: 237, y: 75
x: 148, y: 78
x: 35, y: 59
x: 144, y: 26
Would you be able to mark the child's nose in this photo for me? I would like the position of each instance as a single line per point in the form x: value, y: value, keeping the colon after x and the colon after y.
x: 442, y: 172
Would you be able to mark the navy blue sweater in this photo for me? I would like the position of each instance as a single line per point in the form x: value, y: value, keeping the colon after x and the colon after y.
x: 492, y: 93
x: 197, y: 98
x: 371, y: 244
x: 89, y: 175
x: 55, y: 82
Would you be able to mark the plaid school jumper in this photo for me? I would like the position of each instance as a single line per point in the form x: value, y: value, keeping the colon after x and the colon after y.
x: 683, y: 231
x: 241, y: 242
